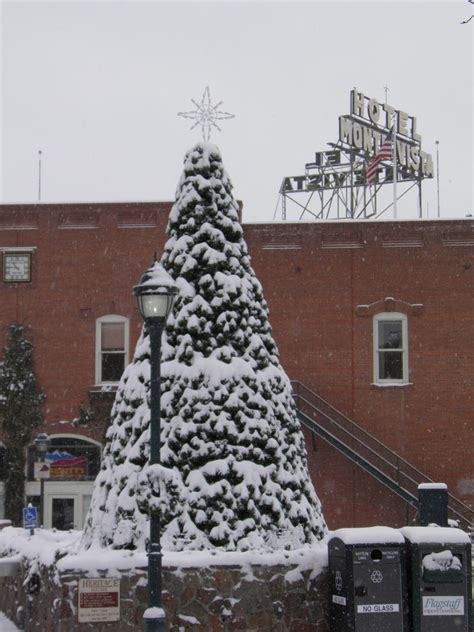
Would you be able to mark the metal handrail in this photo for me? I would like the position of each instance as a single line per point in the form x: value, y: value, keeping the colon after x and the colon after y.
x: 462, y: 510
x: 360, y: 429
x: 357, y: 440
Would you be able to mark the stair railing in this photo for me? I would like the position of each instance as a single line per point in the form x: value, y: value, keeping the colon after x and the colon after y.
x: 373, y: 452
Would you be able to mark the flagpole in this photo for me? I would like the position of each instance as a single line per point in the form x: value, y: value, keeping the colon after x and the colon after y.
x: 39, y: 175
x: 437, y: 174
x: 395, y: 174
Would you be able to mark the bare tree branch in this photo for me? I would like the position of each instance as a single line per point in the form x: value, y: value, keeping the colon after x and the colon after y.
x: 472, y: 16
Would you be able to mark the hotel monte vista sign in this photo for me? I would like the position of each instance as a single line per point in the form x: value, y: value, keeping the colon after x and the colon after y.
x: 362, y: 133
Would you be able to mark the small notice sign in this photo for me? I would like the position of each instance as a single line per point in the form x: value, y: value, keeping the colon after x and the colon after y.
x: 443, y: 606
x: 30, y: 518
x: 99, y: 600
x: 339, y: 600
x: 42, y: 470
x: 378, y: 608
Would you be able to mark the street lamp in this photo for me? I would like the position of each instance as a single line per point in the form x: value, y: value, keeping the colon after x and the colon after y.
x: 156, y: 293
x: 41, y: 446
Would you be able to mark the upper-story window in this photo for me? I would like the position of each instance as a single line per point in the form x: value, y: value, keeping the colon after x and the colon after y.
x: 111, y: 348
x: 390, y: 348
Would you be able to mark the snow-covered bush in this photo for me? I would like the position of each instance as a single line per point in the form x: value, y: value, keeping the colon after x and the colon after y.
x: 233, y: 471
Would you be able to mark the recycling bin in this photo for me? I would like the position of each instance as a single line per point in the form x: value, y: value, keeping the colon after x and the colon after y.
x: 367, y: 575
x: 439, y: 579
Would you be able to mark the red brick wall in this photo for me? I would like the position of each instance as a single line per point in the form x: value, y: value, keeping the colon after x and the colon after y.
x: 86, y: 262
x: 313, y: 288
x: 314, y: 275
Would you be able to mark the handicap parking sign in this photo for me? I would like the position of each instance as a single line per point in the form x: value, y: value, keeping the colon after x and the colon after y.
x: 30, y: 517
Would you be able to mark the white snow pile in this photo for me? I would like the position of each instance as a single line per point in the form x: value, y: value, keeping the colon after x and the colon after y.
x: 435, y: 535
x: 442, y: 561
x: 45, y: 545
x: 6, y: 625
x: 233, y: 474
x: 368, y: 535
x: 59, y: 551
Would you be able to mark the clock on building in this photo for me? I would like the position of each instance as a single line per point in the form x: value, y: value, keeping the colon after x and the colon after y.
x: 16, y: 267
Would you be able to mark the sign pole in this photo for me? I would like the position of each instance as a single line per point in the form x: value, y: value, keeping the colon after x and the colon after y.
x: 437, y: 175
x: 395, y: 174
x: 39, y: 175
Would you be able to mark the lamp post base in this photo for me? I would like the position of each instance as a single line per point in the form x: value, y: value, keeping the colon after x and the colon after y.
x: 154, y: 619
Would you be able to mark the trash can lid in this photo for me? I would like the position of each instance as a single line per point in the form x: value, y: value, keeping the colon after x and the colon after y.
x: 368, y: 535
x: 435, y: 535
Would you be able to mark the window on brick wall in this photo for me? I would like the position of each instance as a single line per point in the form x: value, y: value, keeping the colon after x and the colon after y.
x: 111, y: 348
x: 390, y: 348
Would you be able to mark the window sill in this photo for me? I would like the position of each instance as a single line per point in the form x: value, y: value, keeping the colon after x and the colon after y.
x: 391, y: 384
x: 104, y: 388
x: 102, y: 392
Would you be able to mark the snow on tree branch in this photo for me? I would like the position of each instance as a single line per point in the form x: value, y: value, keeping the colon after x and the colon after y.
x: 233, y: 473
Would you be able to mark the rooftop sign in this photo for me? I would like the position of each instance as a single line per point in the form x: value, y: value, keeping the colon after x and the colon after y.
x: 368, y: 125
x: 339, y: 174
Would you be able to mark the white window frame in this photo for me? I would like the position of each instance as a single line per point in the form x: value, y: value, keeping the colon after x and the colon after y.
x: 109, y: 318
x: 404, y: 350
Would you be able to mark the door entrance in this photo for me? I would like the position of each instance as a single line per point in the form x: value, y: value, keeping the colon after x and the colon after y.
x: 62, y: 513
x: 66, y: 503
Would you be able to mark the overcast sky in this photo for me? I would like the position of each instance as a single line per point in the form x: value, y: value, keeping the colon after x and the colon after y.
x: 97, y: 87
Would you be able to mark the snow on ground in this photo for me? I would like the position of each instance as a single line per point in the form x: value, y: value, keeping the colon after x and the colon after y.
x: 6, y: 625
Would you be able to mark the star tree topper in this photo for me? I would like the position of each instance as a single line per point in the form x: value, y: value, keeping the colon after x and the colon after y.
x: 206, y: 115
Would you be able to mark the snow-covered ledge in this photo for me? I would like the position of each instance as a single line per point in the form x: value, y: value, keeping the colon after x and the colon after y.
x: 203, y: 591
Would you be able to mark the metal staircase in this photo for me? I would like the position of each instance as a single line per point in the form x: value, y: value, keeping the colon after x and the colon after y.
x: 369, y: 453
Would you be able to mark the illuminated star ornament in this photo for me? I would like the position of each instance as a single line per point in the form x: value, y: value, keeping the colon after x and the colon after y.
x: 206, y: 115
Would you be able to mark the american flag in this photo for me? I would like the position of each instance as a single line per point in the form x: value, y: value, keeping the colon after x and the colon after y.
x: 384, y: 152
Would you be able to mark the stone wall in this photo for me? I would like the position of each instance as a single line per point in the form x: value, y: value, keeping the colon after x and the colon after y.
x: 215, y: 599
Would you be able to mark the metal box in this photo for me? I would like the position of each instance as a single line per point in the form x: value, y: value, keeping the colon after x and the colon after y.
x: 433, y: 504
x: 367, y: 575
x: 439, y: 579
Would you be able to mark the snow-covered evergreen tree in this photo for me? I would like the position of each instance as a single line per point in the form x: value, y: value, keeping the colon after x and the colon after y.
x: 21, y: 401
x: 234, y: 472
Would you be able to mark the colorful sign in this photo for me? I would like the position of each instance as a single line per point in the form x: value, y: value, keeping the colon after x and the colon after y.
x: 99, y: 600
x: 64, y: 465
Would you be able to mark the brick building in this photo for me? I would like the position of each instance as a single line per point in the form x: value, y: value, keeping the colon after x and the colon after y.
x: 374, y: 320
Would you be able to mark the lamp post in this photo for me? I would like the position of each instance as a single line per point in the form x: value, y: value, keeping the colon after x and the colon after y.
x: 156, y: 293
x: 41, y: 446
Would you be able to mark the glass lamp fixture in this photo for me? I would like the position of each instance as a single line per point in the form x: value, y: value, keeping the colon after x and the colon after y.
x: 156, y: 293
x: 155, y: 305
x: 42, y: 443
